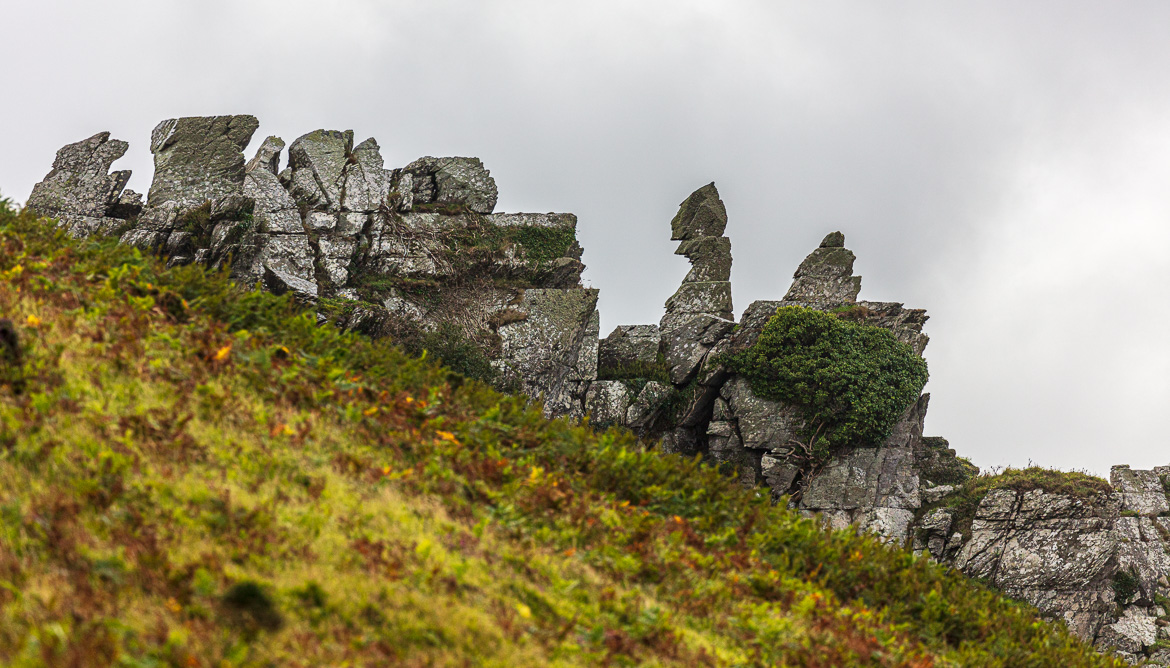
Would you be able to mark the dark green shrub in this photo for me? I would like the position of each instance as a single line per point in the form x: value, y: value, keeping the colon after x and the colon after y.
x: 252, y: 607
x: 852, y: 382
x: 1125, y: 585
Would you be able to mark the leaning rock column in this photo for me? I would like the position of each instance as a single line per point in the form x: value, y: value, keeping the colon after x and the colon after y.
x: 700, y: 312
x: 825, y: 279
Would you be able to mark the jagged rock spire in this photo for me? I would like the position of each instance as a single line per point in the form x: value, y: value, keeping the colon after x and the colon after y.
x: 699, y: 225
x: 825, y: 279
x: 80, y: 190
x: 700, y: 312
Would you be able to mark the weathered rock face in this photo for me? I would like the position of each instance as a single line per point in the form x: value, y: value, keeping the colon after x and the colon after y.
x: 197, y: 159
x: 825, y: 279
x: 81, y: 192
x: 1101, y: 564
x: 629, y: 345
x: 1048, y: 549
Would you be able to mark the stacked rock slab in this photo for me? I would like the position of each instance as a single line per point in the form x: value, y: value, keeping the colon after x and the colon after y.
x: 81, y: 193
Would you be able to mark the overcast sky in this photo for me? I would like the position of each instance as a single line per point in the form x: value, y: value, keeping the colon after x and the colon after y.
x: 1002, y: 164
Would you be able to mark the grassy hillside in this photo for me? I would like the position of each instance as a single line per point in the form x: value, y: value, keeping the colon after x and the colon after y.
x: 196, y: 475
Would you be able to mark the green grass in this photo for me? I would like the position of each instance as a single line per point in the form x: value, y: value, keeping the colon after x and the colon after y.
x: 198, y: 475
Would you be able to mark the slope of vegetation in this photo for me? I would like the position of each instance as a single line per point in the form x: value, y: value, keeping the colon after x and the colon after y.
x: 192, y: 474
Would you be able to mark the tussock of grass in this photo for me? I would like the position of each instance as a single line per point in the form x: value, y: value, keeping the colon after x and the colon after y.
x: 197, y: 475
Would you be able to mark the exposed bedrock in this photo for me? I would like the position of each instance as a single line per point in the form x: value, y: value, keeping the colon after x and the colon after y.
x: 418, y: 254
x: 82, y: 193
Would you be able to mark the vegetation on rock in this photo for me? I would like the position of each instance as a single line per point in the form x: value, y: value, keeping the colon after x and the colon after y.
x: 964, y: 501
x: 199, y: 475
x: 852, y: 382
x: 940, y: 465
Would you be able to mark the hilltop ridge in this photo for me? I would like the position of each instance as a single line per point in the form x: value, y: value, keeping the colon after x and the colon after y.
x: 418, y: 256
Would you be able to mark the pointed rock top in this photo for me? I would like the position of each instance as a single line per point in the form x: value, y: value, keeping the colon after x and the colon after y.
x: 833, y: 240
x: 267, y: 156
x: 700, y: 215
x: 825, y: 279
x: 80, y: 183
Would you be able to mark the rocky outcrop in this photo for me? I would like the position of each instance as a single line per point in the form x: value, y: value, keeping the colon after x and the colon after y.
x: 700, y: 312
x: 1099, y: 562
x: 415, y: 253
x: 81, y: 192
x: 418, y: 254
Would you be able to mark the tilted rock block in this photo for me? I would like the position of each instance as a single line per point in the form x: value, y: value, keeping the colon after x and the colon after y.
x: 712, y: 297
x: 687, y: 344
x: 629, y: 344
x: 702, y: 214
x: 267, y: 157
x: 863, y: 479
x: 367, y: 183
x: 197, y: 159
x: 540, y: 352
x: 586, y: 367
x: 825, y: 279
x: 1051, y: 550
x: 452, y: 181
x: 317, y: 164
x: 763, y: 424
